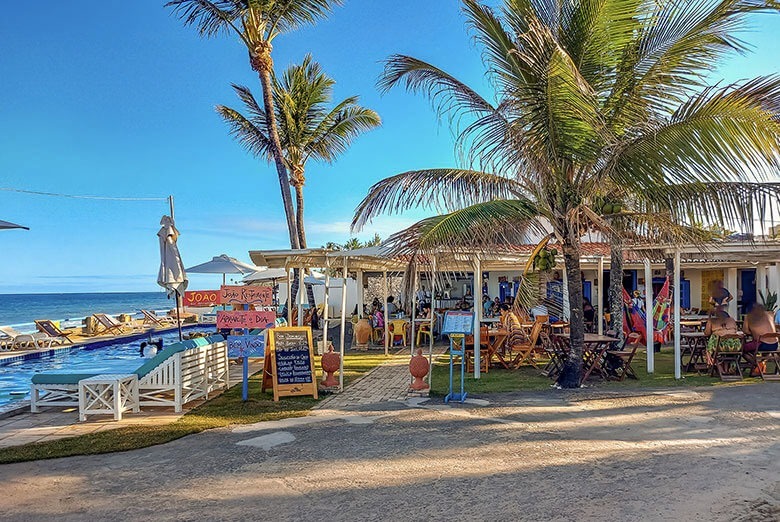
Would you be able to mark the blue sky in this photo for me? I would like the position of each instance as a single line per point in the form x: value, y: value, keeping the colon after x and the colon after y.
x: 117, y: 99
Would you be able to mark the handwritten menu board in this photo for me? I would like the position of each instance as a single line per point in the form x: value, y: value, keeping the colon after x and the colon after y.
x: 254, y: 295
x: 246, y: 345
x: 458, y: 323
x: 291, y: 358
x: 201, y: 298
x: 245, y: 319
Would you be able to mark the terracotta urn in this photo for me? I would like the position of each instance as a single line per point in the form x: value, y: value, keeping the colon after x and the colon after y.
x: 330, y: 364
x: 419, y: 367
x: 362, y: 331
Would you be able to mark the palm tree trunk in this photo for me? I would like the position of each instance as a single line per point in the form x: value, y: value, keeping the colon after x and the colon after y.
x: 616, y: 288
x: 264, y: 71
x: 572, y: 369
x: 299, y: 214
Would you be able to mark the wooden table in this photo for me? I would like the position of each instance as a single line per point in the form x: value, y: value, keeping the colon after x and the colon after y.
x: 495, y: 343
x: 595, y: 346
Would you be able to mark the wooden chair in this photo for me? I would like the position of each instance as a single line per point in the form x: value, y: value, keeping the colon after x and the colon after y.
x: 484, y: 354
x: 110, y: 325
x: 52, y: 330
x: 726, y: 362
x: 152, y: 320
x: 768, y: 363
x: 525, y: 351
x: 623, y: 358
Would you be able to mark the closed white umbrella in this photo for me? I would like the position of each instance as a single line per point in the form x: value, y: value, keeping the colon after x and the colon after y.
x: 172, y: 276
x: 8, y: 225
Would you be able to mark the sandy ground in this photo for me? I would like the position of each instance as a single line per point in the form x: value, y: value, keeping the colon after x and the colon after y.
x: 708, y: 454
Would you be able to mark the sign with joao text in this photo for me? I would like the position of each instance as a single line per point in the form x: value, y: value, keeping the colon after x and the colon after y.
x: 246, y: 345
x: 249, y: 295
x: 245, y: 319
x: 201, y: 298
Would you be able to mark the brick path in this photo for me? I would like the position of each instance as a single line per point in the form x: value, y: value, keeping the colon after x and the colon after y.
x: 387, y: 382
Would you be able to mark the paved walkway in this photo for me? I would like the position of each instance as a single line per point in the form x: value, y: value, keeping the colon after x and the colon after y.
x: 387, y: 382
x: 56, y: 423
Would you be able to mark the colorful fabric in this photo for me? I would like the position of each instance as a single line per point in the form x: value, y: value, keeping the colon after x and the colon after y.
x: 726, y: 345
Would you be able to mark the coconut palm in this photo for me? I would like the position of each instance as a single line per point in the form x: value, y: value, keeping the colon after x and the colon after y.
x: 307, y: 127
x: 588, y: 95
x: 257, y: 23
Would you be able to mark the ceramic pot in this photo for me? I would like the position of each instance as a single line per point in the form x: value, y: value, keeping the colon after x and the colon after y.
x: 330, y: 364
x: 419, y: 367
x: 362, y: 332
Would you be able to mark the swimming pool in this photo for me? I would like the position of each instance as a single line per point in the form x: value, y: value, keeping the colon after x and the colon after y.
x: 120, y: 357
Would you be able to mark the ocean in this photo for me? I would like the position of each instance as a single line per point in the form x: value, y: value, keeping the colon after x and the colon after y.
x: 20, y: 310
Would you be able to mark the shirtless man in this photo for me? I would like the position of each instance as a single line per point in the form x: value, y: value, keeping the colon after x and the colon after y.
x: 759, y: 322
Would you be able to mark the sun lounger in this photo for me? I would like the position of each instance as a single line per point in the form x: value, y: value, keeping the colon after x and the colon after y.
x: 52, y: 330
x: 14, y: 339
x: 180, y: 373
x: 156, y: 321
x: 111, y: 326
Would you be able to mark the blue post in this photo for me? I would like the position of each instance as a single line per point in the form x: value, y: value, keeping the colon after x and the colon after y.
x: 245, y: 366
x: 461, y: 350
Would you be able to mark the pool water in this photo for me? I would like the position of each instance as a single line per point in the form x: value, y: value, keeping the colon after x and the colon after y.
x: 15, y: 377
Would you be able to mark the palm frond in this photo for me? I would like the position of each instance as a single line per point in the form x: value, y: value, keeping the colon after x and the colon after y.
x: 246, y: 132
x: 719, y: 135
x: 679, y: 43
x: 444, y: 190
x: 209, y: 17
x: 744, y: 206
x: 340, y: 128
x: 478, y: 227
x: 448, y: 95
x: 287, y: 15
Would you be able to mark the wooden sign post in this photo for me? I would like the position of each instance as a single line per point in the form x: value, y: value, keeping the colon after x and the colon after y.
x: 289, y: 362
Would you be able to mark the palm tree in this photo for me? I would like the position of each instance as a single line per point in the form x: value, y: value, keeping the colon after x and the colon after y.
x: 257, y: 23
x: 590, y: 94
x: 306, y: 126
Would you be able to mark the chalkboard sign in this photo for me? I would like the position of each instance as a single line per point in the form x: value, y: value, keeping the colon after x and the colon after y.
x: 458, y: 323
x: 291, y: 356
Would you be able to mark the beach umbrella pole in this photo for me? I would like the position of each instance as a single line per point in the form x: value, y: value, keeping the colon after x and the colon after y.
x: 178, y: 313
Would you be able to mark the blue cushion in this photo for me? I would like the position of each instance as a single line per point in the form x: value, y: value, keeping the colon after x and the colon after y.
x: 60, y: 378
x: 175, y: 348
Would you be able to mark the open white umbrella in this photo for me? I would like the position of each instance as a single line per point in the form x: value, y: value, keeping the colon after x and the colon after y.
x: 223, y: 264
x: 8, y: 225
x: 280, y: 274
x: 172, y: 276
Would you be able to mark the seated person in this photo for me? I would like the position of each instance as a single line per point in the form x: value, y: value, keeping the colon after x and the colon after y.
x: 391, y: 307
x: 487, y: 306
x: 759, y: 322
x: 511, y: 323
x: 720, y: 323
x: 377, y: 318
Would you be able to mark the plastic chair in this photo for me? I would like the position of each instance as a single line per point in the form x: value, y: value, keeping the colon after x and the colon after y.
x: 398, y: 328
x: 423, y: 330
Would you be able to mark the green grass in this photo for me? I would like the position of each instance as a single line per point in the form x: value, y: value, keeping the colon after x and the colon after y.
x: 529, y: 378
x: 226, y: 410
